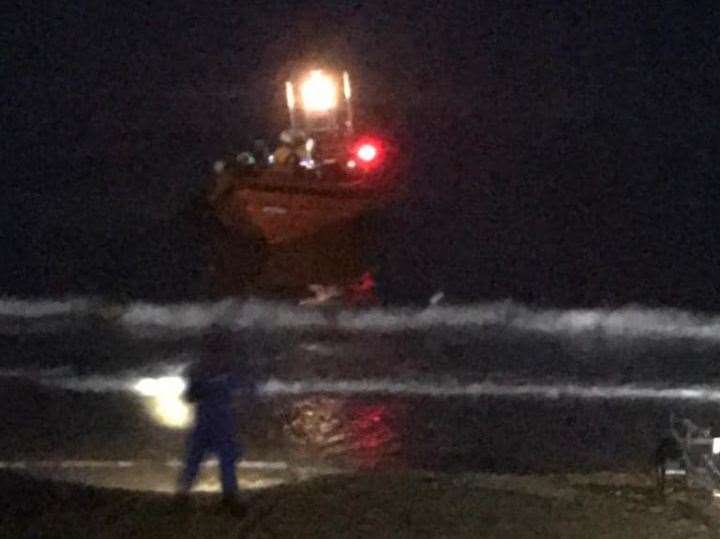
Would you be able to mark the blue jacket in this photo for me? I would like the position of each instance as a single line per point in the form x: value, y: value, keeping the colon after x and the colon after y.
x: 213, y: 395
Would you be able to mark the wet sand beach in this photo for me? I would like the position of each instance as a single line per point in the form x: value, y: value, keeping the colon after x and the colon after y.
x: 370, y: 505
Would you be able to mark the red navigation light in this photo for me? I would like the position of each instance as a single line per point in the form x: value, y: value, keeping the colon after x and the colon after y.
x: 366, y: 153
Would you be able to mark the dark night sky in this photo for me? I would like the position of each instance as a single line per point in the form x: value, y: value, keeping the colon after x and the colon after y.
x: 564, y: 152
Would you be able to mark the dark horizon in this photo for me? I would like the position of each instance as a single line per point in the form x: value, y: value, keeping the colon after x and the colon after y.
x: 559, y: 154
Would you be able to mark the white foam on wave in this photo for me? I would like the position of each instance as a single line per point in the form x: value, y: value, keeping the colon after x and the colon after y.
x: 94, y: 383
x: 40, y: 308
x: 46, y: 316
x: 36, y: 373
x: 67, y: 378
x: 228, y: 313
x: 446, y: 388
x: 153, y: 320
x: 490, y: 389
x: 625, y: 322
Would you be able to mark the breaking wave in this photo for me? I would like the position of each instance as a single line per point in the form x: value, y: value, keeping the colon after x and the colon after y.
x: 428, y: 387
x: 162, y: 320
x: 19, y: 308
x: 492, y: 389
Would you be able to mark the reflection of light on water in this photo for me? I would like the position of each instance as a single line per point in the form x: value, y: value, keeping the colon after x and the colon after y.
x: 212, y: 485
x: 164, y: 397
x: 365, y: 434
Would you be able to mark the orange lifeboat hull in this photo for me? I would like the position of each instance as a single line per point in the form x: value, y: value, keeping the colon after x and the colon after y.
x: 312, y: 232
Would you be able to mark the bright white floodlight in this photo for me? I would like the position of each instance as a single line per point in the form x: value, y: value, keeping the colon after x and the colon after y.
x: 319, y: 92
x: 164, y: 400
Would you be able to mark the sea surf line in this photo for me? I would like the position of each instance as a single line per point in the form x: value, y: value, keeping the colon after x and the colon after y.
x: 404, y: 387
x: 148, y: 320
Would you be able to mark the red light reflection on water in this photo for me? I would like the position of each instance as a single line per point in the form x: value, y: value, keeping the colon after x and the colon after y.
x: 361, y: 434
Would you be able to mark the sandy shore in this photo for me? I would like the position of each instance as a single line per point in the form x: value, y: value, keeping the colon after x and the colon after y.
x: 371, y: 505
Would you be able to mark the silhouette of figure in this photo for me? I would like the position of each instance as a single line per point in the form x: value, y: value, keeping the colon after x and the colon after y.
x: 213, y: 382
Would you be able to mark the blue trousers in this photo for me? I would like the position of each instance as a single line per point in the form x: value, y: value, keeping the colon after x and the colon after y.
x: 202, y: 441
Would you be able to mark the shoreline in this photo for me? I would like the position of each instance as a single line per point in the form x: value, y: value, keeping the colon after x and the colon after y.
x: 381, y: 504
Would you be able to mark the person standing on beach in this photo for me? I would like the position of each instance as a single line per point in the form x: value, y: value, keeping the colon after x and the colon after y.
x: 213, y: 382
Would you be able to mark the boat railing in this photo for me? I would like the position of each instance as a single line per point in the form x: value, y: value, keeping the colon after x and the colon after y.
x: 698, y: 455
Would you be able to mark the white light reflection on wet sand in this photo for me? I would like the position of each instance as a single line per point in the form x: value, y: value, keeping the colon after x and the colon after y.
x: 160, y: 476
x: 165, y: 392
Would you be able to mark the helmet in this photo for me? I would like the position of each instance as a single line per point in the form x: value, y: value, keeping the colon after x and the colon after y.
x: 245, y: 158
